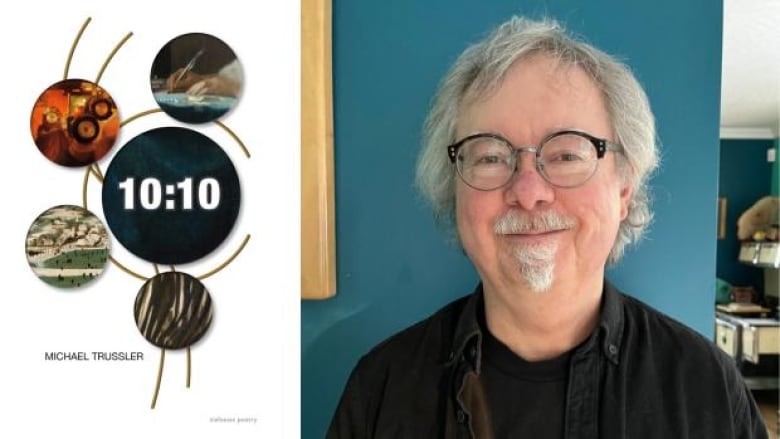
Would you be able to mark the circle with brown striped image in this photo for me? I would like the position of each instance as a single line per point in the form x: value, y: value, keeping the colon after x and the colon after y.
x: 173, y: 310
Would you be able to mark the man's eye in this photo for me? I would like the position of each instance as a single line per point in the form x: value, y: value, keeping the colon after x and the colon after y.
x: 488, y: 160
x: 566, y: 157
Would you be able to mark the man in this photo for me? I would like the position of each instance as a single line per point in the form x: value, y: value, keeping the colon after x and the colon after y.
x: 538, y: 149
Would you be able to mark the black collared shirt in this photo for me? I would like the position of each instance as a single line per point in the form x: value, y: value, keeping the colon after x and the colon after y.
x: 640, y: 374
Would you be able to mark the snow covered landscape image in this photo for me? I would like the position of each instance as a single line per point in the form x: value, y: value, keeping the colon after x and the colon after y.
x: 67, y: 246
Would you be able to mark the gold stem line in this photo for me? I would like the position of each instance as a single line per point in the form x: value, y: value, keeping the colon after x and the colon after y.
x: 156, y: 269
x: 97, y: 175
x: 228, y: 261
x: 141, y: 114
x: 98, y: 172
x: 73, y: 47
x: 127, y: 270
x: 189, y: 366
x: 173, y: 269
x: 159, y: 378
x: 111, y: 55
x: 84, y: 189
x: 234, y: 136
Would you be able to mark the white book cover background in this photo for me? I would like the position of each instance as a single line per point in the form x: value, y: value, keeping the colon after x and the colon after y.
x: 247, y: 365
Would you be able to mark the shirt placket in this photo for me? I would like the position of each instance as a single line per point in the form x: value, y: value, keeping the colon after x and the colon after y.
x: 471, y: 410
x: 581, y: 416
x: 460, y: 415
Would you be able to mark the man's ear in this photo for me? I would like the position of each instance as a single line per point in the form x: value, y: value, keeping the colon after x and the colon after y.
x: 626, y: 193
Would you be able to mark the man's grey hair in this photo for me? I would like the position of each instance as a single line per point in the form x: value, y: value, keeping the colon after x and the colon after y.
x: 480, y: 70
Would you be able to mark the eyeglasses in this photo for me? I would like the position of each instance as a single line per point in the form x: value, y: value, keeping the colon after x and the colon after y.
x: 564, y: 159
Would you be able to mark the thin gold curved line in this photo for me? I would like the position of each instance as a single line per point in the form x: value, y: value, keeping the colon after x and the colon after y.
x: 95, y: 170
x: 234, y: 136
x: 97, y: 173
x: 111, y: 55
x: 159, y: 378
x: 189, y: 366
x: 227, y: 261
x: 230, y: 132
x: 73, y: 48
x: 127, y: 270
x: 84, y: 189
x: 139, y: 115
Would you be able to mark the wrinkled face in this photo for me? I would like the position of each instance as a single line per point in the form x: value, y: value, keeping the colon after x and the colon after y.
x: 530, y: 231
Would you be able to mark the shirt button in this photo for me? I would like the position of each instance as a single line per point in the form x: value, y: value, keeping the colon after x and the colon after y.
x: 612, y: 349
x: 461, y: 416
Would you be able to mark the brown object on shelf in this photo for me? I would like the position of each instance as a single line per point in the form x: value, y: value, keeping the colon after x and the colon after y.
x: 745, y: 295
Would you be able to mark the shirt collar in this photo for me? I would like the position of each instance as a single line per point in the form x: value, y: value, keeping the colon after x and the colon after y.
x: 467, y: 341
x: 611, y: 322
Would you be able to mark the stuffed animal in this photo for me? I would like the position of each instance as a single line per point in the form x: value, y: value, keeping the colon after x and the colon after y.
x: 760, y: 221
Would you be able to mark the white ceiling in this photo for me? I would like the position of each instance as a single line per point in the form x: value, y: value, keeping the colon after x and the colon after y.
x: 750, y: 89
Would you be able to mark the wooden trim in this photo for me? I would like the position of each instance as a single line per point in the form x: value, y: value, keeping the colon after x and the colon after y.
x: 722, y: 210
x: 318, y: 234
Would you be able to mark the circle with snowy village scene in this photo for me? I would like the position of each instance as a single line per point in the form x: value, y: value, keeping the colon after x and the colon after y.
x: 67, y: 246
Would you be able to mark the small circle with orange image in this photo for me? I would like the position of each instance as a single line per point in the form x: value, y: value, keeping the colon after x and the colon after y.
x: 74, y: 123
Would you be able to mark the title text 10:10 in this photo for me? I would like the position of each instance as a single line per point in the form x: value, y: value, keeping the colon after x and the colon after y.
x: 151, y: 197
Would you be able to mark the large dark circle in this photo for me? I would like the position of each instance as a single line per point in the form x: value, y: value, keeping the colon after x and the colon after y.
x: 164, y: 235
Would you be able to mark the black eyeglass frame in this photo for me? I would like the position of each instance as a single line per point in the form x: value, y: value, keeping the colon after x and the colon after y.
x: 601, y: 145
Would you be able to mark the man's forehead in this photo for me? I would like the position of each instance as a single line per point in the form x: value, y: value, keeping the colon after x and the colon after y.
x: 538, y: 88
x: 551, y: 68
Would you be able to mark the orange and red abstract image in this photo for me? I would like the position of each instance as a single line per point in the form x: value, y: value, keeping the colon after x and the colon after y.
x: 74, y: 122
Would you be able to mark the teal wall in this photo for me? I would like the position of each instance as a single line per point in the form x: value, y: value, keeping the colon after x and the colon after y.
x: 393, y: 266
x: 745, y: 177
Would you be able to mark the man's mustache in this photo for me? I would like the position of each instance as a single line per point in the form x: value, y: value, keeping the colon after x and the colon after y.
x: 514, y: 222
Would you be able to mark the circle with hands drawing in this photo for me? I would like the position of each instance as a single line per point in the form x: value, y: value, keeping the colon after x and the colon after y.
x: 196, y: 78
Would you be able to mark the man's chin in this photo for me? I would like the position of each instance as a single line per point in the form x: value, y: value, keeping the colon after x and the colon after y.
x: 538, y: 278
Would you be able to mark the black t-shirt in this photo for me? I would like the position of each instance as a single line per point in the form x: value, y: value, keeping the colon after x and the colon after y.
x: 525, y: 399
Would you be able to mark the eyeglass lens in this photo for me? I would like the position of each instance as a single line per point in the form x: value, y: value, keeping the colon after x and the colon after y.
x: 487, y: 163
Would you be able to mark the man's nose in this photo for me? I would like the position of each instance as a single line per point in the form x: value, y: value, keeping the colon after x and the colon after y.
x: 528, y: 189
